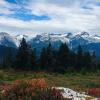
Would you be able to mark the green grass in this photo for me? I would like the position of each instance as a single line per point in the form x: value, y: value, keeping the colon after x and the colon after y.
x: 75, y: 81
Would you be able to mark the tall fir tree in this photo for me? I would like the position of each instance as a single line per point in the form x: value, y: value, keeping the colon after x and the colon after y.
x: 98, y: 65
x: 79, y: 59
x: 94, y: 61
x: 32, y: 59
x: 43, y: 59
x: 63, y: 56
x: 72, y: 61
x: 8, y: 59
x: 87, y: 62
x: 22, y: 57
x: 50, y: 58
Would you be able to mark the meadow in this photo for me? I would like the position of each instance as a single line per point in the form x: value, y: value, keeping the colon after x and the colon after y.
x: 76, y: 81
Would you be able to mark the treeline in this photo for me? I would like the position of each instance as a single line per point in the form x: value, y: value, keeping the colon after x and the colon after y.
x: 60, y: 60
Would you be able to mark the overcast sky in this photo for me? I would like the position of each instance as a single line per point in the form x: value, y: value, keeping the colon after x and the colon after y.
x: 60, y: 16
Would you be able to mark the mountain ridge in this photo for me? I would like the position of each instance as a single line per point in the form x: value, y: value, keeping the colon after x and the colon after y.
x: 42, y: 40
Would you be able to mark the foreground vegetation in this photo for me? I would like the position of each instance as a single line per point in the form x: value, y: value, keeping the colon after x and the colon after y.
x: 35, y: 89
x: 78, y: 82
x: 11, y: 82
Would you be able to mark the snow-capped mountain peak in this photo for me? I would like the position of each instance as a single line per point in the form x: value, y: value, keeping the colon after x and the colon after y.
x: 50, y: 37
x: 7, y: 40
x: 19, y: 37
x: 42, y: 40
x: 3, y: 34
x: 84, y: 34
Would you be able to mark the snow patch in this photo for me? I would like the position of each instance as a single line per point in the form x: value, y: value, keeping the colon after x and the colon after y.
x: 73, y: 95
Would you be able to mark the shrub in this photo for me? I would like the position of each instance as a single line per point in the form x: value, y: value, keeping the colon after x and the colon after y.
x: 35, y: 89
x: 94, y: 92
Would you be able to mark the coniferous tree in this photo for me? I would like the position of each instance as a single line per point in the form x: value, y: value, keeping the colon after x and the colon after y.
x: 43, y: 59
x: 22, y: 57
x: 87, y: 62
x: 98, y: 65
x: 79, y: 59
x: 94, y: 61
x: 50, y: 57
x: 4, y: 65
x: 72, y: 61
x: 8, y: 59
x: 32, y: 60
x: 63, y: 56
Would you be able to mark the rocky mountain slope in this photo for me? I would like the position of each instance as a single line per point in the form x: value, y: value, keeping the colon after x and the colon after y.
x: 87, y: 41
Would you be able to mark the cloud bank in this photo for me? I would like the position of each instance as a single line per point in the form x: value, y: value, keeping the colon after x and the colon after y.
x: 37, y: 16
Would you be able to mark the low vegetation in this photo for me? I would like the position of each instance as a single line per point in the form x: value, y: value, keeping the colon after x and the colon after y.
x: 79, y: 82
x: 35, y: 89
x: 94, y: 92
x: 12, y: 81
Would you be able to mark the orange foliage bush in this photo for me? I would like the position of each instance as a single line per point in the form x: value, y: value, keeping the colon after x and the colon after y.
x: 40, y: 83
x: 35, y: 89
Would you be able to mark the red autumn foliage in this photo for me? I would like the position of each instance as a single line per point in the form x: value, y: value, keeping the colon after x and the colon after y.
x: 35, y: 89
x: 94, y: 92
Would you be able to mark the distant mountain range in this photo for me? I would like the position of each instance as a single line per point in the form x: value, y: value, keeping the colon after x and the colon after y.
x: 87, y: 41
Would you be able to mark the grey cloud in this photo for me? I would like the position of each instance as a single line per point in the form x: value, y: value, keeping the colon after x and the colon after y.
x: 66, y: 15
